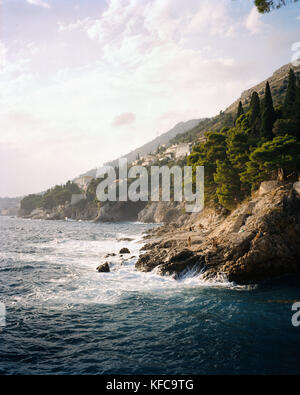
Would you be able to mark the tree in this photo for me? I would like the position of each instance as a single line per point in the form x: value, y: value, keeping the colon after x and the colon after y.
x: 286, y: 126
x: 296, y: 107
x: 207, y: 154
x: 253, y: 175
x: 238, y: 149
x: 240, y: 111
x: 264, y: 6
x: 255, y: 114
x: 290, y: 96
x: 281, y: 155
x: 31, y: 202
x: 268, y: 115
x: 228, y: 184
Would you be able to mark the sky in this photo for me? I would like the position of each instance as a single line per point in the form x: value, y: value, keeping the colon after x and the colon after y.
x: 83, y: 82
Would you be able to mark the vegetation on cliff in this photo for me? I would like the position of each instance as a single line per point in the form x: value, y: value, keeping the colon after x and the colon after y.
x: 262, y: 145
x: 53, y: 197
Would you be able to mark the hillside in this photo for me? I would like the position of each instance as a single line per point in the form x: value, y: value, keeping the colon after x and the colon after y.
x: 278, y: 84
x: 152, y: 145
x: 191, y: 131
x: 238, y: 153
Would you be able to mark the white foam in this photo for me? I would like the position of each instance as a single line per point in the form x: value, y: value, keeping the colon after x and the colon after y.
x: 81, y: 283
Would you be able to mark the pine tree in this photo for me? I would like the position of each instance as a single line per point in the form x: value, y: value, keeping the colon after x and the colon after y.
x: 228, y: 184
x: 290, y: 96
x: 281, y: 155
x: 207, y: 154
x: 268, y: 115
x: 255, y: 114
x: 238, y: 149
x: 240, y: 111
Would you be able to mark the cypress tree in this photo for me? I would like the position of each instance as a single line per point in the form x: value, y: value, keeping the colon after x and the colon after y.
x: 268, y: 115
x: 296, y: 107
x: 290, y: 96
x: 255, y: 114
x: 240, y: 111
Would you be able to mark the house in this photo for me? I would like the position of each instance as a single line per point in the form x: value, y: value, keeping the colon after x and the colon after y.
x: 148, y: 159
x: 179, y: 151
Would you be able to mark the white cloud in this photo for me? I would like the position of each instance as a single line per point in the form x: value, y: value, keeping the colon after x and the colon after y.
x: 124, y: 119
x: 62, y: 95
x: 3, y: 51
x: 79, y: 25
x: 254, y: 23
x: 40, y: 3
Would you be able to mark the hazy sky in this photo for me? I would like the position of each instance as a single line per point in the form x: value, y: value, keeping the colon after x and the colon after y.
x: 85, y: 81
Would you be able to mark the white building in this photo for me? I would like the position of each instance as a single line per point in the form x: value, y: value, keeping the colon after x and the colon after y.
x: 179, y: 151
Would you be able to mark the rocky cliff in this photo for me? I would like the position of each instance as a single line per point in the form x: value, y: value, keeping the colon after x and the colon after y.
x: 87, y: 211
x: 257, y: 241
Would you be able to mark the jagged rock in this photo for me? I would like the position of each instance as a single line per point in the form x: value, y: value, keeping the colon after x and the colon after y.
x: 267, y: 186
x: 161, y: 212
x: 124, y: 251
x: 296, y: 187
x: 120, y: 211
x: 266, y: 246
x: 104, y: 268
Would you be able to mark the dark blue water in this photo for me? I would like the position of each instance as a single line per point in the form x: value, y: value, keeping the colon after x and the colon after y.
x: 63, y: 317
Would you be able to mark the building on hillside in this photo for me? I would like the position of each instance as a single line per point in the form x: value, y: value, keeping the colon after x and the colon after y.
x: 83, y: 182
x: 179, y: 151
x: 183, y: 150
x: 148, y: 159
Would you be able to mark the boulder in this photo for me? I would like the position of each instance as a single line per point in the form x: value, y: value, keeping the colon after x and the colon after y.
x: 104, y: 268
x: 124, y: 251
x: 267, y: 186
x: 296, y: 187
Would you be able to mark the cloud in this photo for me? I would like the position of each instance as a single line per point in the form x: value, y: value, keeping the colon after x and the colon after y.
x: 79, y: 25
x: 124, y: 119
x: 166, y: 61
x: 254, y: 23
x: 40, y: 3
x: 3, y: 52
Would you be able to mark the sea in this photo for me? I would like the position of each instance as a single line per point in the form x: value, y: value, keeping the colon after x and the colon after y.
x: 61, y: 316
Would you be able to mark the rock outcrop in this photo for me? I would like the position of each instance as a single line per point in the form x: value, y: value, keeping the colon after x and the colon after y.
x: 120, y: 211
x: 124, y: 251
x: 163, y: 212
x: 104, y: 268
x: 257, y: 241
x: 87, y: 211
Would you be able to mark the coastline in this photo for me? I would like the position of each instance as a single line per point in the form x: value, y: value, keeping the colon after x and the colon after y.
x: 260, y: 240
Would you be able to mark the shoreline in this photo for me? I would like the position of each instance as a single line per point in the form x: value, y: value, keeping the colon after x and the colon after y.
x: 258, y: 241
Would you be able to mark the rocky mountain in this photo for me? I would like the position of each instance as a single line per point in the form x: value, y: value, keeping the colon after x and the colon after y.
x: 278, y: 84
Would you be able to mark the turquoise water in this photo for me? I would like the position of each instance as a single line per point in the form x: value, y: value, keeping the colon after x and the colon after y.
x: 63, y: 317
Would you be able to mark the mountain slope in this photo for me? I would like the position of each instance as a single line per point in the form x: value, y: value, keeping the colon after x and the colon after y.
x: 278, y: 84
x: 152, y: 145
